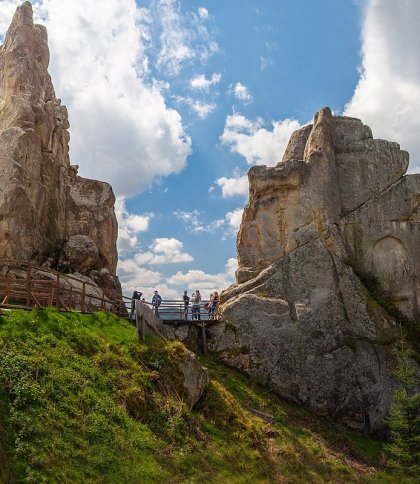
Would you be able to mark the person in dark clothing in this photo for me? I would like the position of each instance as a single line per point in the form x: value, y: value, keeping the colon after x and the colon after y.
x: 156, y: 302
x: 136, y: 295
x: 186, y: 300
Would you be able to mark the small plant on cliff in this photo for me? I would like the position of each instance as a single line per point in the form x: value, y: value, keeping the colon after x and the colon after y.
x: 262, y: 294
x: 404, y: 418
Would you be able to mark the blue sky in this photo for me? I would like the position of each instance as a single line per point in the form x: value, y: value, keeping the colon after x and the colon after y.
x: 172, y: 102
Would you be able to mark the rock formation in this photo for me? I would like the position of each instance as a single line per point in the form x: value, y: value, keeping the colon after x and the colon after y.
x: 47, y: 212
x: 300, y: 318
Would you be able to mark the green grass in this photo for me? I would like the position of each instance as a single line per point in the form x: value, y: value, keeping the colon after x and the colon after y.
x: 82, y: 401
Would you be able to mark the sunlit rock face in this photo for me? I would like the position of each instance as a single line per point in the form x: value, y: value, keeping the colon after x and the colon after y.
x: 43, y: 203
x: 337, y: 208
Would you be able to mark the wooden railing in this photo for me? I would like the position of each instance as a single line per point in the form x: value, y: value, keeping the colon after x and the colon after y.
x: 28, y: 285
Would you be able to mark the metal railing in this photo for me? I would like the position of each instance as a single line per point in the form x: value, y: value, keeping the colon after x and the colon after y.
x: 175, y: 310
x: 26, y: 285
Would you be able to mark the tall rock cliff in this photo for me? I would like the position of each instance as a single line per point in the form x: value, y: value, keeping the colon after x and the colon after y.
x: 334, y: 213
x: 47, y: 212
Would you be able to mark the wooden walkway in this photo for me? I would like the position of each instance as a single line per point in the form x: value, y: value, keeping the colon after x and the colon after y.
x: 24, y: 285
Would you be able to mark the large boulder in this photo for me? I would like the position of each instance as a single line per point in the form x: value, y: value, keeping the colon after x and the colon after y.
x: 43, y: 202
x: 337, y: 209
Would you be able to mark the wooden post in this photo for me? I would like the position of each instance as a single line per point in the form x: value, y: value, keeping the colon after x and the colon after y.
x: 143, y: 327
x: 203, y: 334
x: 138, y: 330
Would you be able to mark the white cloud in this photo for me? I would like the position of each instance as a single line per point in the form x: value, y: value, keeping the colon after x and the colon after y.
x: 202, y: 109
x: 233, y: 186
x: 387, y: 96
x: 194, y: 223
x: 202, y: 83
x: 132, y: 276
x: 129, y: 226
x: 203, y: 12
x: 120, y: 123
x: 183, y: 38
x: 255, y: 143
x: 234, y: 218
x: 164, y: 251
x: 241, y: 92
x: 198, y: 279
x: 231, y: 266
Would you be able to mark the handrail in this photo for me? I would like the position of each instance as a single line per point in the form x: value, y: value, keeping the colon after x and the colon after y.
x: 27, y: 292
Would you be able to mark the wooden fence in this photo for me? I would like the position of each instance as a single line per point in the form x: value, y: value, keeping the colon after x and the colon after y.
x: 27, y: 285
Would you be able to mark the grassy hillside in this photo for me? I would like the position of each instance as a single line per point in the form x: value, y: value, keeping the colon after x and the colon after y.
x: 82, y: 401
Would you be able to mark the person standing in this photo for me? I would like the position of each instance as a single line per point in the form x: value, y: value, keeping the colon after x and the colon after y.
x: 196, y: 298
x: 215, y: 304
x: 136, y: 295
x: 186, y: 300
x: 156, y: 302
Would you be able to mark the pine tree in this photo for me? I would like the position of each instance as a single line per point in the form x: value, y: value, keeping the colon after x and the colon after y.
x: 404, y: 417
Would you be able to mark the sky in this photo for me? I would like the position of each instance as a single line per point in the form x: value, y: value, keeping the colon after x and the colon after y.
x: 172, y: 101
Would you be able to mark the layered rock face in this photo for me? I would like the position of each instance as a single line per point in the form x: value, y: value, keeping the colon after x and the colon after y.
x: 44, y: 204
x: 300, y: 319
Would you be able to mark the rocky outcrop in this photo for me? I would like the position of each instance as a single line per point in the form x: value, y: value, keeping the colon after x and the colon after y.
x: 44, y: 206
x: 300, y: 318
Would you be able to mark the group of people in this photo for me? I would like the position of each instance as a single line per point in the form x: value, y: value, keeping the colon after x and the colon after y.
x: 210, y: 306
x: 194, y: 301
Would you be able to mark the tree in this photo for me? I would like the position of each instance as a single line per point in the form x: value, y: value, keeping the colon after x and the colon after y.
x: 404, y: 417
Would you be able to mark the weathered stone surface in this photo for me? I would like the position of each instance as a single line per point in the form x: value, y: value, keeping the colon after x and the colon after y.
x: 194, y: 377
x: 79, y: 254
x: 299, y: 319
x: 43, y: 203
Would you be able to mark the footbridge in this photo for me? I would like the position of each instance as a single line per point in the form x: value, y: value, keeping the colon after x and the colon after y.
x: 24, y: 285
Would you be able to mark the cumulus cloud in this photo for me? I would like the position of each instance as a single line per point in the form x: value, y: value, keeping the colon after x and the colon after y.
x: 120, y: 124
x: 234, y: 218
x: 257, y: 144
x: 233, y: 186
x: 164, y: 251
x: 240, y: 92
x: 387, y: 96
x: 198, y: 279
x: 133, y: 276
x: 202, y: 83
x: 202, y: 109
x: 130, y: 225
x: 231, y: 266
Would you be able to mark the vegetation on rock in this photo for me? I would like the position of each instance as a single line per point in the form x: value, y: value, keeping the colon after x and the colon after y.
x: 82, y: 401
